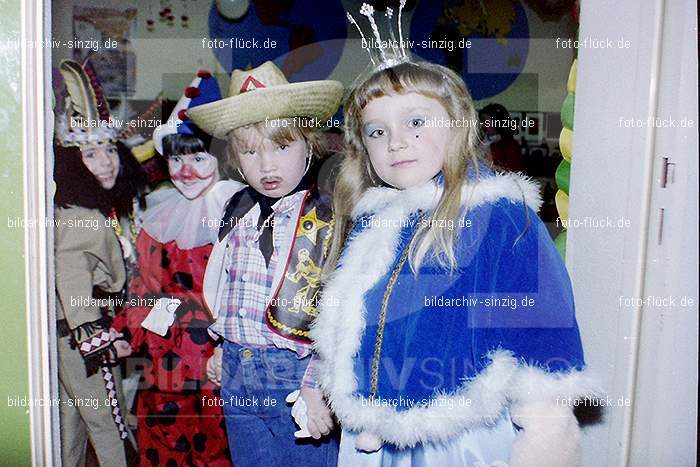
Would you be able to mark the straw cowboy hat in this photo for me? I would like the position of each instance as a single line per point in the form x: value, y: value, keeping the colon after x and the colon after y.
x: 264, y: 92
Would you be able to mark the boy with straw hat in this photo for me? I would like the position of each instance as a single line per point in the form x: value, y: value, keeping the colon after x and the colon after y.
x: 263, y: 276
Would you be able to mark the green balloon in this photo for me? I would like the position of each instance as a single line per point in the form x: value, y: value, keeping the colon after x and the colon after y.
x: 567, y: 112
x: 563, y: 175
x: 560, y: 244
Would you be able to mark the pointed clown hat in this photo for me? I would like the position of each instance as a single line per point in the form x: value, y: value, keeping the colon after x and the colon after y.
x: 203, y: 90
x: 264, y: 93
x: 86, y: 118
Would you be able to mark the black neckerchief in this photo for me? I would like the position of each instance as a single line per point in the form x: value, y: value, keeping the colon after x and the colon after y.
x: 243, y: 201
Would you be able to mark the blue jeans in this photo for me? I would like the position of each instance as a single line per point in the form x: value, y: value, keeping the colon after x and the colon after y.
x: 259, y: 423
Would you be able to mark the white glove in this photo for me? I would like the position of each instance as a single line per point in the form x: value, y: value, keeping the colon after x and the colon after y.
x: 299, y: 413
x: 161, y: 316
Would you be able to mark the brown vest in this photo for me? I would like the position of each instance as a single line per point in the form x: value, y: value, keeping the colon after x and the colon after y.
x: 293, y: 306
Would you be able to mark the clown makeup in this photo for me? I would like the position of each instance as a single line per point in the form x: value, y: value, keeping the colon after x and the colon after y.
x: 405, y: 149
x: 103, y: 162
x: 193, y: 174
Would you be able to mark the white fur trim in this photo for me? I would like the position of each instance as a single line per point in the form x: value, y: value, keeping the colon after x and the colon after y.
x: 513, y: 186
x: 534, y: 384
x: 341, y: 322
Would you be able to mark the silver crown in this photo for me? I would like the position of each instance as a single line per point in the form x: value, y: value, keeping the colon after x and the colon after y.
x: 383, y: 53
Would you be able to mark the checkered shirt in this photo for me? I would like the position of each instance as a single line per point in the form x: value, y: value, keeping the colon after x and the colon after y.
x: 249, y: 287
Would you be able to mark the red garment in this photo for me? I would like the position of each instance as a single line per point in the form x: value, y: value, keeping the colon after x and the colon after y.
x: 174, y: 373
x: 182, y: 429
x: 177, y: 361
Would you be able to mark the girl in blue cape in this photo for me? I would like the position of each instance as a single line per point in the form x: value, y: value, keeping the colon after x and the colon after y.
x: 447, y: 333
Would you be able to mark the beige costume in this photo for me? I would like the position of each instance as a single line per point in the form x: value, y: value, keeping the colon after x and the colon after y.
x: 88, y: 254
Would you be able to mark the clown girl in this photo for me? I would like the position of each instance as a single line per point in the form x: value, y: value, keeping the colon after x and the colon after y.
x: 96, y: 179
x: 179, y: 415
x: 417, y: 384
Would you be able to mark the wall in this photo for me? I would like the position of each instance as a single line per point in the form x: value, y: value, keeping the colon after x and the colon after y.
x: 178, y: 50
x: 14, y: 421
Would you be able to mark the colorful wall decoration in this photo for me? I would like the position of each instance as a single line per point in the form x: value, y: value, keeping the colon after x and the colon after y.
x: 104, y: 35
x: 499, y: 27
x: 296, y: 34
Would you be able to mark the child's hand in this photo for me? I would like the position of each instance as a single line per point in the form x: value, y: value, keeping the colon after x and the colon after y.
x: 121, y: 346
x: 319, y: 420
x: 214, y: 367
x: 114, y: 334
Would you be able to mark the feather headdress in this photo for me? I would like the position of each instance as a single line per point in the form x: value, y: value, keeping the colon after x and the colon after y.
x: 86, y: 119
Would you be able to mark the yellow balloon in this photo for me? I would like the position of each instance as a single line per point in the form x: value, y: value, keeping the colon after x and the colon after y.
x: 562, y: 201
x: 566, y: 138
x: 571, y: 83
x: 144, y: 151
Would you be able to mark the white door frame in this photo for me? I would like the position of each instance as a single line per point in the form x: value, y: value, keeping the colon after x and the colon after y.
x: 617, y: 173
x: 38, y: 246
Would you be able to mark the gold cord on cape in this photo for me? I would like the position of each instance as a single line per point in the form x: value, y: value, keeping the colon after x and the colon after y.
x: 382, y: 313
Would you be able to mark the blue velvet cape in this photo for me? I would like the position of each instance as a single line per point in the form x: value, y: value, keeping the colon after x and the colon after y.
x: 457, y: 348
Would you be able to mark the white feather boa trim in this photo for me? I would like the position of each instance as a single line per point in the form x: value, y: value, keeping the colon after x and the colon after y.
x: 338, y: 329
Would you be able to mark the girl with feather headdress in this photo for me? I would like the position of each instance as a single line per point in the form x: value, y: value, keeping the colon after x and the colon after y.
x: 96, y: 180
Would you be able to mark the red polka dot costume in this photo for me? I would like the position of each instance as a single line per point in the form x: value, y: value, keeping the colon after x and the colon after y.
x: 179, y: 412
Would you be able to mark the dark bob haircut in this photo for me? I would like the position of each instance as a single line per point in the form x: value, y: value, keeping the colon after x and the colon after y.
x: 77, y: 186
x: 179, y: 144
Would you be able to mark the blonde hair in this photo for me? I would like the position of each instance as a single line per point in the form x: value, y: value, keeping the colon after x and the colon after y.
x: 280, y: 131
x: 356, y: 173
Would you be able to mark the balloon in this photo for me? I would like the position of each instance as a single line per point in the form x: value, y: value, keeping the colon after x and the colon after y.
x: 565, y: 141
x: 562, y: 201
x: 563, y: 175
x: 232, y: 9
x: 560, y: 244
x: 571, y: 82
x: 144, y: 152
x: 567, y: 112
